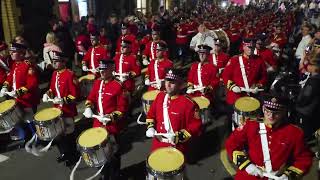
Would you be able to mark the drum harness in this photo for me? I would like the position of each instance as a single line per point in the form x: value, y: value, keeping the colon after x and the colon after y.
x: 166, y: 137
x: 34, y: 139
x: 151, y: 48
x: 122, y: 76
x: 92, y: 58
x: 266, y: 154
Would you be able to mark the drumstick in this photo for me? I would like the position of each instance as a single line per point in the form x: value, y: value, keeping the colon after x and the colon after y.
x: 197, y: 89
x: 250, y: 90
x: 271, y: 176
x: 155, y: 82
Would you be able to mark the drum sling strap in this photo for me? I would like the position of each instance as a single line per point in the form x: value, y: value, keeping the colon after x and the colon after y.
x: 71, y: 177
x: 243, y: 73
x: 151, y: 49
x: 214, y: 59
x: 265, y: 148
x: 92, y: 59
x: 166, y: 120
x: 57, y: 86
x: 156, y: 74
x: 100, y: 99
x: 199, y: 75
x: 33, y: 142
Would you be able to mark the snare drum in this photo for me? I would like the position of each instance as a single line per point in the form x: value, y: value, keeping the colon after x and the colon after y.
x: 165, y: 164
x: 86, y: 83
x: 203, y: 104
x: 10, y: 114
x: 48, y: 123
x: 148, y: 98
x: 95, y: 146
x: 245, y: 108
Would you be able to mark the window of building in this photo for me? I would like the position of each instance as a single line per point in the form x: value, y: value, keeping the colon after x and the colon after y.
x: 142, y: 6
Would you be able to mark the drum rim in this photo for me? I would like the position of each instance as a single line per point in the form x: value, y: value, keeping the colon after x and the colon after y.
x: 9, y: 110
x: 149, y: 92
x: 238, y: 110
x: 98, y: 146
x: 58, y: 118
x: 82, y: 78
x: 164, y: 174
x: 202, y: 97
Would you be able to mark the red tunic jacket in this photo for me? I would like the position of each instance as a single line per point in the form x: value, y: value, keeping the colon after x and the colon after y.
x: 26, y: 81
x: 129, y: 64
x: 113, y: 100
x: 163, y: 65
x: 255, y: 71
x: 183, y: 114
x: 67, y: 84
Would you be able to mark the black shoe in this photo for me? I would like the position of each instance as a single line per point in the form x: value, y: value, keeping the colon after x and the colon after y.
x: 61, y: 158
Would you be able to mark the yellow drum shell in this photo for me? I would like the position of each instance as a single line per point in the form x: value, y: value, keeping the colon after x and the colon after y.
x: 7, y: 105
x: 165, y: 161
x: 148, y: 98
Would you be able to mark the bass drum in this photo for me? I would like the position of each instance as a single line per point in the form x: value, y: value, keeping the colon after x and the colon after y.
x: 222, y: 36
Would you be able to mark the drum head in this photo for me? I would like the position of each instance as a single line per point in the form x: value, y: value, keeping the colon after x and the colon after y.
x: 87, y: 77
x: 247, y: 104
x: 166, y: 159
x: 202, y: 102
x: 47, y: 114
x: 92, y: 137
x: 150, y: 95
x: 6, y: 105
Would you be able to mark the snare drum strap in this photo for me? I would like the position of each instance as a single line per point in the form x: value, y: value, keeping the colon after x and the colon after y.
x: 199, y: 75
x: 243, y: 73
x: 151, y: 48
x: 71, y: 177
x: 166, y: 118
x: 92, y: 59
x: 265, y: 148
x: 100, y: 99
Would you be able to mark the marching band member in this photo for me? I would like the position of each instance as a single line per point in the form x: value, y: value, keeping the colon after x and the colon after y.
x: 95, y: 53
x: 202, y: 75
x: 22, y: 81
x: 266, y: 54
x: 154, y: 77
x: 108, y: 98
x: 182, y: 40
x: 173, y: 118
x: 218, y: 58
x: 126, y: 66
x: 271, y: 149
x: 64, y: 91
x: 126, y: 35
x: 150, y: 49
x: 244, y: 73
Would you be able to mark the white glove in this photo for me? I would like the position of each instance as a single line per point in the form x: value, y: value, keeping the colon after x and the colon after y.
x: 147, y: 82
x: 57, y: 100
x: 104, y: 119
x: 12, y: 94
x: 255, y: 90
x: 45, y: 97
x: 270, y: 69
x: 94, y: 70
x: 84, y: 68
x: 150, y: 132
x: 254, y: 170
x: 3, y: 91
x: 189, y: 90
x: 145, y: 61
x: 171, y: 138
x: 283, y: 177
x: 88, y: 113
x: 236, y: 89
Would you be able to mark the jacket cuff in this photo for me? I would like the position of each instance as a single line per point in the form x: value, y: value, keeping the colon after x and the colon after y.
x: 5, y: 84
x: 21, y: 91
x: 240, y: 159
x: 293, y: 172
x: 69, y: 99
x: 88, y: 104
x: 182, y: 136
x: 230, y: 84
x: 116, y: 115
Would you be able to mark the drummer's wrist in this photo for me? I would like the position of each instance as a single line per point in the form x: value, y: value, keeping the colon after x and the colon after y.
x: 150, y: 123
x: 88, y: 104
x: 182, y: 136
x: 240, y: 159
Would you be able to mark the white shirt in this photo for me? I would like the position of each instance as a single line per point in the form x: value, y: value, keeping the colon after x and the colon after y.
x: 302, y: 46
x: 200, y: 39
